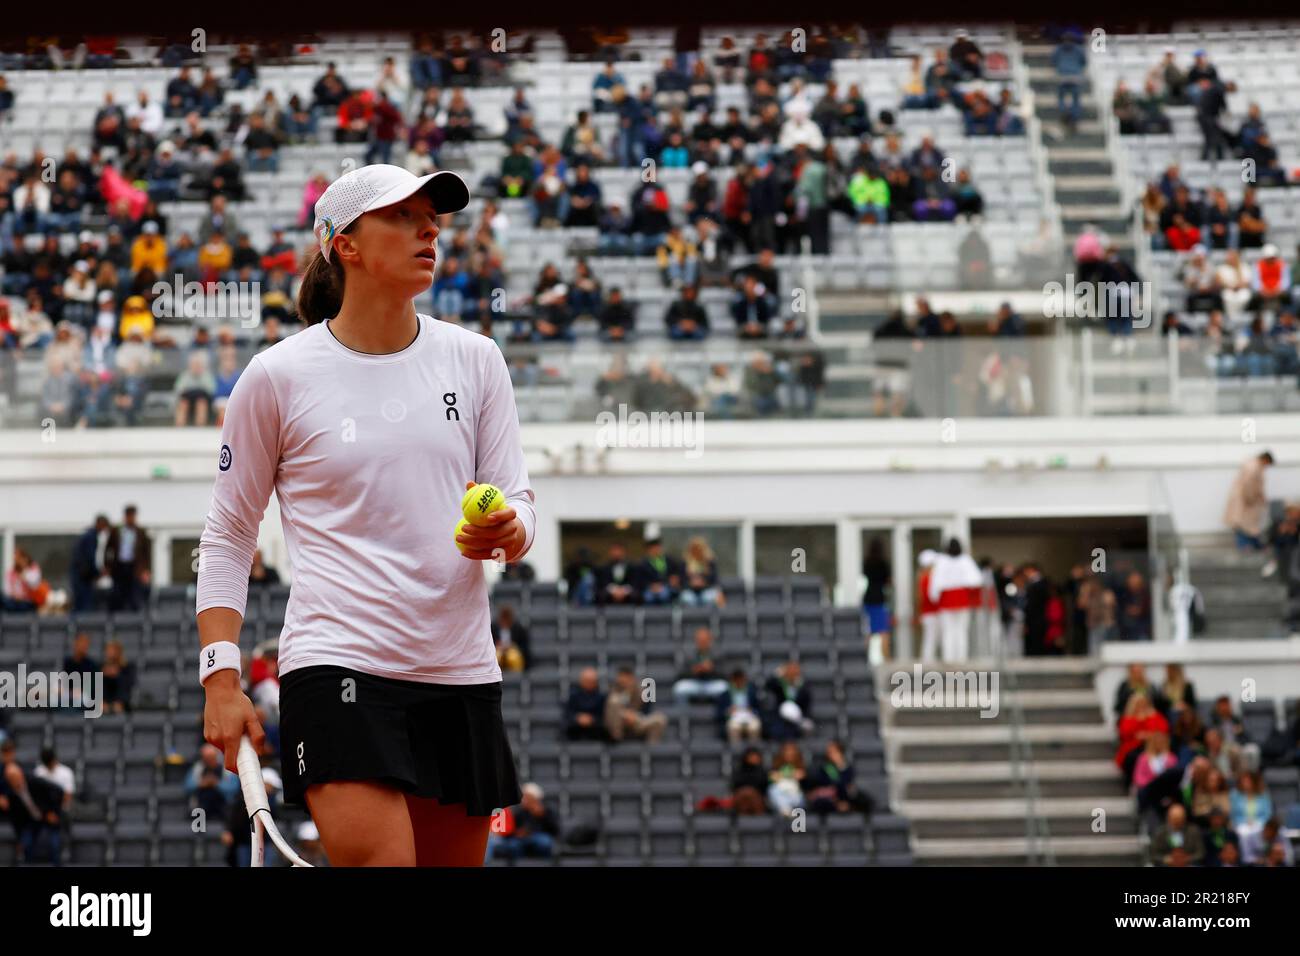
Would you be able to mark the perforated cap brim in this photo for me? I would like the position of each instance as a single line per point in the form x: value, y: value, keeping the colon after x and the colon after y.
x: 447, y: 190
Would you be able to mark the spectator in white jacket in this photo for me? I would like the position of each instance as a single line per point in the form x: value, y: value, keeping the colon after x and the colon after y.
x: 928, y: 610
x: 1234, y: 285
x: 800, y: 128
x: 32, y: 199
x: 955, y: 584
x: 150, y: 113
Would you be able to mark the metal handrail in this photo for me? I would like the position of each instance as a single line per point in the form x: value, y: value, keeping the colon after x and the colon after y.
x: 1038, y: 836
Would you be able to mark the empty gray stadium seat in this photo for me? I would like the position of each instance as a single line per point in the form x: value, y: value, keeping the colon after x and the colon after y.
x: 583, y: 801
x: 586, y: 761
x: 1260, y: 719
x: 16, y: 634
x: 733, y: 625
x: 759, y: 836
x: 769, y: 590
x: 177, y: 845
x: 89, y: 844
x: 806, y: 591
x: 626, y: 798
x: 657, y: 624
x: 621, y: 837
x: 668, y: 839
x: 846, y: 836
x: 889, y: 833
x: 711, y: 836
x: 582, y: 626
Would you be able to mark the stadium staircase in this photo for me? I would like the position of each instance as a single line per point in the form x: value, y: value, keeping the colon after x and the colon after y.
x: 1021, y: 788
x: 1085, y: 184
x: 1239, y: 602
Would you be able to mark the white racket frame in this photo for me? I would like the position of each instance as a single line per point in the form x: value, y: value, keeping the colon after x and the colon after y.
x: 259, y: 810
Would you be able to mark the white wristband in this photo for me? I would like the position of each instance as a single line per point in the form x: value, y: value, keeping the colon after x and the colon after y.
x: 218, y: 656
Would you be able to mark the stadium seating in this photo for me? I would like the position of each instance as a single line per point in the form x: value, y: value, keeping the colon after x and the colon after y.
x: 641, y: 798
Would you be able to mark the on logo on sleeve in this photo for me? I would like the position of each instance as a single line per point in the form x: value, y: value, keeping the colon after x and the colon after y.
x: 224, y: 464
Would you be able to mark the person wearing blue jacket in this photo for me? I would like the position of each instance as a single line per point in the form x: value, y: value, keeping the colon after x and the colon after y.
x: 1070, y: 63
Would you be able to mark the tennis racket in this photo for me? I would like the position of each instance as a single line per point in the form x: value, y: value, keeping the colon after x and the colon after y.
x: 259, y: 810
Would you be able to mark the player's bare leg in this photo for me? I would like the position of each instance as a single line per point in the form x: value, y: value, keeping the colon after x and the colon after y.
x: 362, y: 823
x: 445, y: 835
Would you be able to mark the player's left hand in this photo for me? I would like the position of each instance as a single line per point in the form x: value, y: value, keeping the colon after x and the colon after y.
x: 500, y: 540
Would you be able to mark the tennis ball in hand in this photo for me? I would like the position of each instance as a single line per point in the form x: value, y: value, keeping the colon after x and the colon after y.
x: 460, y: 526
x: 480, y: 501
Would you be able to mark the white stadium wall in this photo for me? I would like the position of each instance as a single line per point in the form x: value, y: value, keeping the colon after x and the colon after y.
x: 853, y: 474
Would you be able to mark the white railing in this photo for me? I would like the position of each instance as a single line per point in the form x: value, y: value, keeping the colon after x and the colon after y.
x: 1043, y: 178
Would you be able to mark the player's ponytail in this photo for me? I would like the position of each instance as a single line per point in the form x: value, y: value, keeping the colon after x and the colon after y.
x: 320, y: 295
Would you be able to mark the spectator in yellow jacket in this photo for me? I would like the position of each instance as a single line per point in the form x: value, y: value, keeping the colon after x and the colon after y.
x: 149, y: 251
x: 215, y: 258
x: 136, y: 317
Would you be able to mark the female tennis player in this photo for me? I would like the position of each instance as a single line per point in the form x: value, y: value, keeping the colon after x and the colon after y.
x: 370, y: 425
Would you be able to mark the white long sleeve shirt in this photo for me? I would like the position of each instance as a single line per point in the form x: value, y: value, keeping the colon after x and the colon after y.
x: 957, y: 573
x: 369, y: 456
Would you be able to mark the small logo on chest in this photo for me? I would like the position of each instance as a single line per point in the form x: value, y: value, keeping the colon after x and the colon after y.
x: 449, y: 399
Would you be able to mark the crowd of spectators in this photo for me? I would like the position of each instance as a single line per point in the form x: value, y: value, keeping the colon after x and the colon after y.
x: 88, y: 281
x: 1197, y: 782
x: 768, y: 384
x: 1022, y: 606
x: 656, y: 578
x: 1201, y: 87
x: 779, y: 712
x: 86, y: 253
x: 1240, y: 315
x: 1179, y: 217
x: 1248, y: 309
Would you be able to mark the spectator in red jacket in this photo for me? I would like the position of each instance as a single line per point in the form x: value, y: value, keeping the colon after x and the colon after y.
x: 355, y: 116
x: 280, y: 254
x: 1139, y: 722
x: 386, y: 126
x: 1181, y: 235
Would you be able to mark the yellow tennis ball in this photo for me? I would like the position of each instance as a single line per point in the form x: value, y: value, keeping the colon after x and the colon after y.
x: 480, y: 501
x: 460, y: 526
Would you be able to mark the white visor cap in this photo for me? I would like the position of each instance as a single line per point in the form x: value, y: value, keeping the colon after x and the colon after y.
x: 377, y: 186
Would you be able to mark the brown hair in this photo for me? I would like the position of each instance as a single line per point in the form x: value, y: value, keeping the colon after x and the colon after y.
x: 320, y: 295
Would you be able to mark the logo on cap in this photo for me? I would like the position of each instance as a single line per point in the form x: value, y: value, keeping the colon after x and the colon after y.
x: 326, y: 231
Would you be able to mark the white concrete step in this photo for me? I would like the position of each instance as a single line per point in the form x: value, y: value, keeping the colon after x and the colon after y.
x: 995, y: 734
x: 1080, y: 154
x: 998, y: 849
x: 1101, y: 770
x: 1028, y: 700
x: 1003, y: 809
x: 1109, y: 211
x: 1065, y: 183
x: 1130, y: 403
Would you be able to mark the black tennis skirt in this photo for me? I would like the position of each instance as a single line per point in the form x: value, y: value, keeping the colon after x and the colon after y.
x: 445, y: 741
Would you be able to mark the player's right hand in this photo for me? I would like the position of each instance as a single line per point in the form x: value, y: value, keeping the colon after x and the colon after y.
x: 228, y: 715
